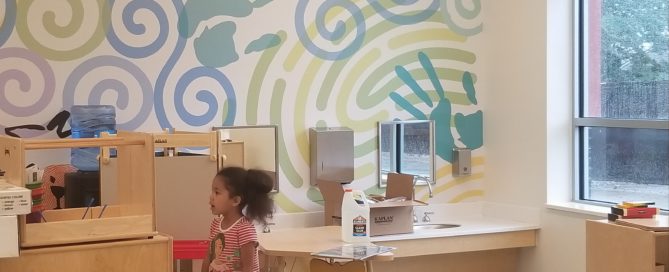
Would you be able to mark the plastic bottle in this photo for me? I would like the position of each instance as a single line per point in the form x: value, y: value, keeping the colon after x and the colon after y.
x: 87, y: 121
x: 354, y: 218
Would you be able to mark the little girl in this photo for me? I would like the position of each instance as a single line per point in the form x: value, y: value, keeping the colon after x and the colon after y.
x: 238, y: 196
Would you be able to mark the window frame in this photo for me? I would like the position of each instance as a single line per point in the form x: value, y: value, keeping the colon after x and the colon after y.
x: 580, y: 123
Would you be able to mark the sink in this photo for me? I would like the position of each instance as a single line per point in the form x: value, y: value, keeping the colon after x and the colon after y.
x: 434, y: 226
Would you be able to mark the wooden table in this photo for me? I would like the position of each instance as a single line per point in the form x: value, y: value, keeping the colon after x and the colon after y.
x: 299, y: 243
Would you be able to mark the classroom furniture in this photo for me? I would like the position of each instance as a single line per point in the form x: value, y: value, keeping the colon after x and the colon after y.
x: 473, y: 252
x: 120, y: 236
x: 298, y: 245
x: 132, y: 217
x: 146, y: 255
x: 612, y: 247
x: 185, y: 251
x: 325, y: 266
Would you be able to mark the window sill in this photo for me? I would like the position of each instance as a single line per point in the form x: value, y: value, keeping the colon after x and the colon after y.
x: 580, y: 208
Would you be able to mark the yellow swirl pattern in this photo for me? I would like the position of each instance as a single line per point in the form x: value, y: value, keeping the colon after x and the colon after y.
x: 75, y: 24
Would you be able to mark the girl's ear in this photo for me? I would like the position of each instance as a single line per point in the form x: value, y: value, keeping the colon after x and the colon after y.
x: 236, y: 200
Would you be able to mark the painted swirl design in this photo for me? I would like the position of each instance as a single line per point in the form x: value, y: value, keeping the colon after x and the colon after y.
x: 404, y: 19
x: 460, y: 19
x: 139, y: 29
x: 7, y: 24
x: 335, y: 35
x: 74, y: 32
x: 15, y: 68
x: 206, y: 96
x: 101, y: 74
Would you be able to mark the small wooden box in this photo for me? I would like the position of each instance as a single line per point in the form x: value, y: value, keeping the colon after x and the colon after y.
x: 132, y: 217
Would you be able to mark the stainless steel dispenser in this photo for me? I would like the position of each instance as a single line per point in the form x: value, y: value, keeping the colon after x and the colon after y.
x: 331, y: 154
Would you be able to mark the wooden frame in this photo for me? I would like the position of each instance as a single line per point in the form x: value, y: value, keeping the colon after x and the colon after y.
x: 132, y: 217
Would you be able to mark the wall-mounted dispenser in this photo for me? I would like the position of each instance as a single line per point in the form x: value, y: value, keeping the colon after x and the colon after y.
x: 462, y: 162
x: 331, y: 154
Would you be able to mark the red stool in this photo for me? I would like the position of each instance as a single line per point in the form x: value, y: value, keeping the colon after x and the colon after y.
x: 185, y: 251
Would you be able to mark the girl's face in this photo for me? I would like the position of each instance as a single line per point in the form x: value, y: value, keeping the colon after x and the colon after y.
x: 220, y: 201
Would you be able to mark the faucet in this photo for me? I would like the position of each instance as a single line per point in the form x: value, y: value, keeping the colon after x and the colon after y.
x: 424, y: 179
x: 266, y: 228
x: 426, y: 218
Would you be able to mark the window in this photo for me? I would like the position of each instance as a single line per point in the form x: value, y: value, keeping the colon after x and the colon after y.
x: 621, y: 121
x: 406, y: 147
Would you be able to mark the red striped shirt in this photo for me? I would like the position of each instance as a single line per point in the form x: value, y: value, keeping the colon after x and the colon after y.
x: 226, y: 245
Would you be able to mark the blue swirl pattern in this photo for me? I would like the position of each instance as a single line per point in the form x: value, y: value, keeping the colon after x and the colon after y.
x: 111, y: 83
x: 159, y: 90
x: 337, y: 33
x: 139, y: 29
x: 405, y: 19
x: 10, y: 19
x: 205, y: 96
x: 24, y: 80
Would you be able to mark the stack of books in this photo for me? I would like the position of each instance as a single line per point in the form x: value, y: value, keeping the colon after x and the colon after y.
x: 633, y: 209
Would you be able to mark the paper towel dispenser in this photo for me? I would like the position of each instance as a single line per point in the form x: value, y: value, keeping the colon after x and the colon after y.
x: 331, y: 154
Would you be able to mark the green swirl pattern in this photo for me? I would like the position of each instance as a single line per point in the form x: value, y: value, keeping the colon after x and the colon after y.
x: 73, y: 27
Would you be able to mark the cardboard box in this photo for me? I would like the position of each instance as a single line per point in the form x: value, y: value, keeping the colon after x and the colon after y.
x: 14, y: 200
x: 392, y: 217
x: 9, y: 236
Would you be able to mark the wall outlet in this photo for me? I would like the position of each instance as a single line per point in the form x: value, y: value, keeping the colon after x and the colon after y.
x: 462, y: 162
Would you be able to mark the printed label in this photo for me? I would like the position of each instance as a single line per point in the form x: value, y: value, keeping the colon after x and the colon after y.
x: 360, y: 226
x: 383, y: 219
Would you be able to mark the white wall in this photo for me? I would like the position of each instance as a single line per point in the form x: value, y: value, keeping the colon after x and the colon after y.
x: 526, y: 125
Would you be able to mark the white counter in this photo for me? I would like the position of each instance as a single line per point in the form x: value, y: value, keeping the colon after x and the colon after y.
x: 489, y: 236
x: 473, y: 218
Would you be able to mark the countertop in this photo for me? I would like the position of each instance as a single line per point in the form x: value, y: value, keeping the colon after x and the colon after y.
x: 473, y: 225
x: 475, y: 219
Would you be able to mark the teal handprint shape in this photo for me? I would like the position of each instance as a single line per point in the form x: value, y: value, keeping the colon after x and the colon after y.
x: 215, y: 46
x: 469, y: 127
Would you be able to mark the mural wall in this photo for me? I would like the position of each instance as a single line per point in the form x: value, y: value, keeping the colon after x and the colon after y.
x: 196, y: 64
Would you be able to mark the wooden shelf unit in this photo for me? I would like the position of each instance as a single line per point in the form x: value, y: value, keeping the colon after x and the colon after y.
x: 154, y: 255
x: 615, y: 248
x: 132, y: 217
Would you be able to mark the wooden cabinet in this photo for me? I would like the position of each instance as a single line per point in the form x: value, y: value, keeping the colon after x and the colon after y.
x: 130, y: 255
x: 614, y: 248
